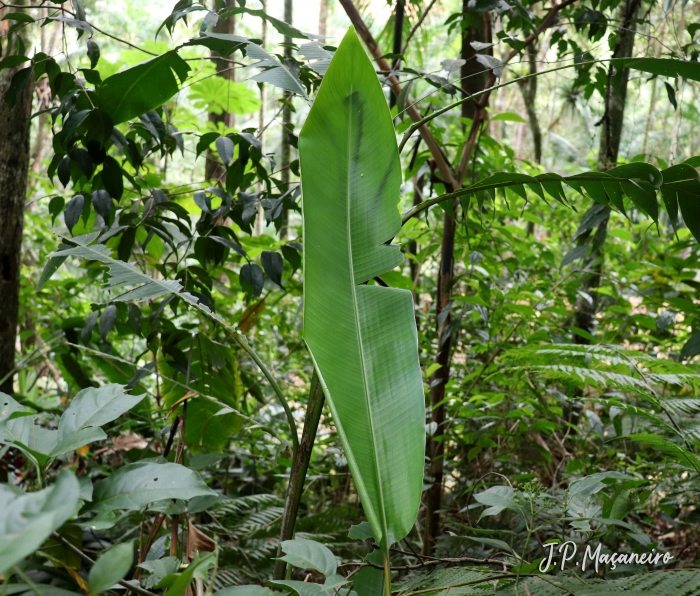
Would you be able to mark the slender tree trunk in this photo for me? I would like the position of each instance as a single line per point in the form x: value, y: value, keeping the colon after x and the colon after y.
x: 287, y: 127
x: 475, y: 28
x: 323, y: 18
x: 529, y: 91
x: 616, y: 93
x: 414, y: 265
x: 260, y: 219
x: 300, y: 466
x: 611, y: 135
x: 399, y: 12
x: 650, y: 115
x: 472, y: 73
x: 213, y: 170
x: 14, y: 167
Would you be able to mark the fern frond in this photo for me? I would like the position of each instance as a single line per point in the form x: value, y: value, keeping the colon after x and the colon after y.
x: 593, y: 376
x: 682, y: 405
x: 471, y: 582
x: 672, y: 450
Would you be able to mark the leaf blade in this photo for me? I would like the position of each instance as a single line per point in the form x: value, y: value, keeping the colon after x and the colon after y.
x: 371, y: 378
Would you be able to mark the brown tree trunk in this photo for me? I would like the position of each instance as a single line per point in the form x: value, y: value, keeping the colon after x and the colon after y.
x: 528, y: 89
x: 616, y: 93
x: 414, y: 265
x: 287, y: 127
x: 14, y: 167
x: 399, y: 13
x: 213, y: 170
x: 611, y: 135
x: 323, y: 18
x: 473, y: 80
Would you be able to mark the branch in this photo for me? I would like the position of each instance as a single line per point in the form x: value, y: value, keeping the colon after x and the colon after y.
x: 470, y: 583
x: 485, y: 93
x: 441, y: 161
x: 417, y: 26
x: 490, y: 86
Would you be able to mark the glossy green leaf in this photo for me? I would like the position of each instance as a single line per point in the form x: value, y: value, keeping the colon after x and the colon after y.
x: 111, y: 567
x: 309, y: 554
x: 362, y: 337
x: 361, y: 531
x: 668, y: 67
x: 78, y: 426
x: 95, y: 406
x: 28, y: 519
x: 691, y: 347
x: 178, y: 583
x: 142, y: 88
x: 136, y: 485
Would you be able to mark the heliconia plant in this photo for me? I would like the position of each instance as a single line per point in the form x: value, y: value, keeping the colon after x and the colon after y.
x: 362, y: 337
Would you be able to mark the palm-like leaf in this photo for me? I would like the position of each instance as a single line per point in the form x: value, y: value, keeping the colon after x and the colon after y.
x: 362, y: 338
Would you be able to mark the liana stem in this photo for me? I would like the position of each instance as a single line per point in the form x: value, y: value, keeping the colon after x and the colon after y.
x: 300, y: 466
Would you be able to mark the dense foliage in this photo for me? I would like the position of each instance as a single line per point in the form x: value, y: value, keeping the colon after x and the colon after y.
x: 163, y: 422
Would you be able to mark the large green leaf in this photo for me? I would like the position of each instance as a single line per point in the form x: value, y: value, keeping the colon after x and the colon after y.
x: 96, y: 406
x: 111, y: 567
x: 78, y: 426
x: 142, y: 88
x: 27, y: 519
x: 362, y: 337
x: 139, y: 484
x: 309, y: 554
x: 668, y: 67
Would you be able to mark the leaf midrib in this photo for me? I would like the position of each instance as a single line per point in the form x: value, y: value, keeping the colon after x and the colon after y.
x: 382, y: 512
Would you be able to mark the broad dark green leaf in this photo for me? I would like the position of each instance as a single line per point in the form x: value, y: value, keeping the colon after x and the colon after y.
x: 668, y: 67
x: 691, y: 347
x: 107, y: 320
x: 136, y: 485
x: 142, y: 88
x: 93, y: 52
x: 273, y: 264
x: 90, y: 321
x: 111, y: 567
x: 112, y: 178
x: 73, y: 212
x: 309, y: 554
x: 27, y: 519
x: 102, y: 203
x: 224, y: 146
x: 252, y: 279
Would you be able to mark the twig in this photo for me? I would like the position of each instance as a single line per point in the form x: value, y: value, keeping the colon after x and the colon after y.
x: 436, y: 151
x: 469, y: 583
x: 546, y: 22
x: 416, y: 26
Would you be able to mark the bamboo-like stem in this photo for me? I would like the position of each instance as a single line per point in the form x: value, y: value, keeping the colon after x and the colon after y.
x: 300, y: 466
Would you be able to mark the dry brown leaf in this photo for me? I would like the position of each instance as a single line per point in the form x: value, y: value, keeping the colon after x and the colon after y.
x: 251, y: 315
x: 125, y: 442
x: 198, y: 542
